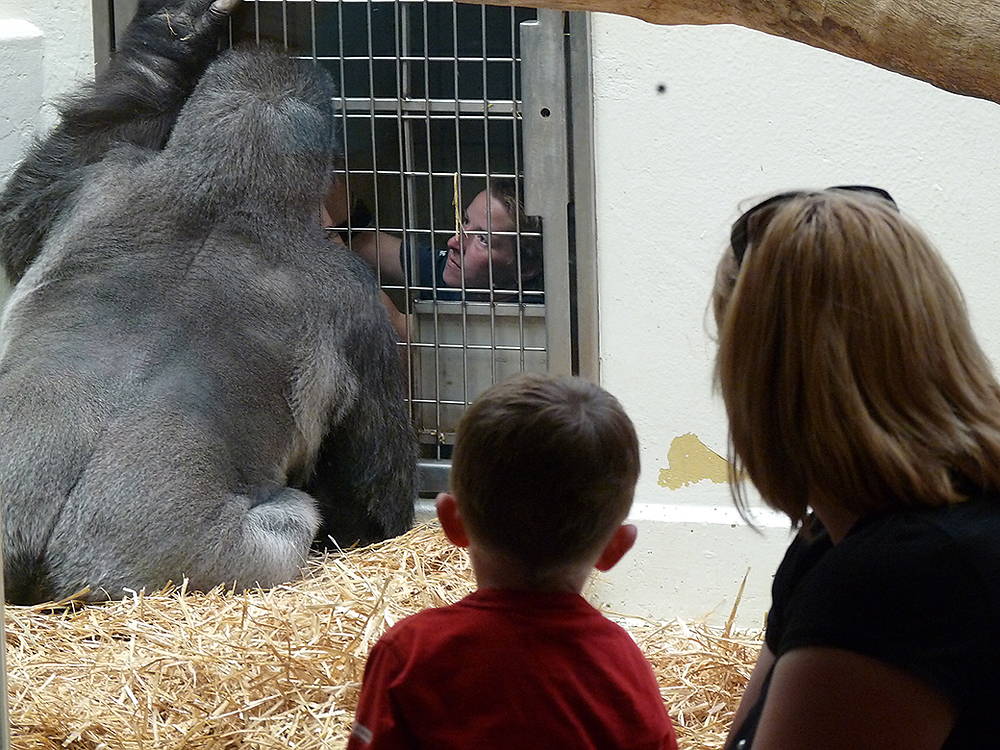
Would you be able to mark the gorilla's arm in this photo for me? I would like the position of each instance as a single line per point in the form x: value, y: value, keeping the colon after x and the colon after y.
x: 365, y: 478
x: 159, y: 60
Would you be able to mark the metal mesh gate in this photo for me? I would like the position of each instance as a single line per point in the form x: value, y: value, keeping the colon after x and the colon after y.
x: 439, y: 100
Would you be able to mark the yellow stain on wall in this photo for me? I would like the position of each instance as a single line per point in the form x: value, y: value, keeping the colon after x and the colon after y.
x: 689, y: 460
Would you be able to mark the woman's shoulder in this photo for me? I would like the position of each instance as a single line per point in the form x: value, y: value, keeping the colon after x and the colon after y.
x: 926, y: 551
x: 918, y: 589
x: 964, y: 533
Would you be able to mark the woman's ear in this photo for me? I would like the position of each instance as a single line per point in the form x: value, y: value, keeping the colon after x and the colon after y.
x: 451, y: 519
x: 615, y: 550
x: 529, y: 272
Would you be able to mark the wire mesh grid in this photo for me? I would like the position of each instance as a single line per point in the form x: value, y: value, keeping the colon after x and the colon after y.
x: 430, y: 100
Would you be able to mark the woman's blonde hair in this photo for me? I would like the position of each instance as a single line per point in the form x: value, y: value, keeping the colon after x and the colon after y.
x: 847, y: 362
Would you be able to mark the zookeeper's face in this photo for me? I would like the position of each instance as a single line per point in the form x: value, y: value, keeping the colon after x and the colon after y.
x: 483, y: 241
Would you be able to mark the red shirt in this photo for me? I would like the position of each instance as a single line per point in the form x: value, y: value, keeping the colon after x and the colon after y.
x: 510, y: 669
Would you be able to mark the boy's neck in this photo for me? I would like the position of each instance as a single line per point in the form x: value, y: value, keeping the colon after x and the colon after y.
x: 497, y: 571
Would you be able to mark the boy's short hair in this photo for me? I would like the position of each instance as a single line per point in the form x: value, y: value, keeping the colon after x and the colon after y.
x: 545, y: 468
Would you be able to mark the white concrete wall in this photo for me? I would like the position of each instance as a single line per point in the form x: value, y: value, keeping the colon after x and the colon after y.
x: 67, y: 46
x: 45, y: 50
x: 21, y: 80
x: 742, y: 115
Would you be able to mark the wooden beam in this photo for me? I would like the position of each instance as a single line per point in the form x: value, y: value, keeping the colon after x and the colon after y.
x: 953, y: 44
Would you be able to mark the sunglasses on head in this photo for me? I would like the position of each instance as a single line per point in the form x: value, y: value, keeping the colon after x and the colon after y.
x: 739, y: 239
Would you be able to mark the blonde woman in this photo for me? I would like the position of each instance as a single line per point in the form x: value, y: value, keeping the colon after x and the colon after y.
x: 861, y: 406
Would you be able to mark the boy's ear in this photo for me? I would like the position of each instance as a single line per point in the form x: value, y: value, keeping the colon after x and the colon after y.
x: 451, y: 520
x: 615, y: 550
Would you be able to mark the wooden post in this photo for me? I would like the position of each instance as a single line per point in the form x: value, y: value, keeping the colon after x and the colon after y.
x: 953, y: 44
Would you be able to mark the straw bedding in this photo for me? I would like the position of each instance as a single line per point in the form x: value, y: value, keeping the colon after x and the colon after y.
x: 282, y: 668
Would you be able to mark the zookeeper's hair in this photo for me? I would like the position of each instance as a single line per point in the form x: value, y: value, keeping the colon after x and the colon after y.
x: 545, y: 468
x: 528, y: 241
x: 847, y: 362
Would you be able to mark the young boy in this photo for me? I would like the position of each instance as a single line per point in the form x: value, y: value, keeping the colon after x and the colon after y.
x: 543, y: 475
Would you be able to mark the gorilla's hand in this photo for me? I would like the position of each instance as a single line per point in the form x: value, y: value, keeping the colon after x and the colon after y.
x: 191, y: 9
x: 179, y: 28
x: 189, y: 18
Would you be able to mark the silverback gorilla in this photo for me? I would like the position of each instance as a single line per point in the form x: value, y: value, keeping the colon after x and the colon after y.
x: 194, y: 381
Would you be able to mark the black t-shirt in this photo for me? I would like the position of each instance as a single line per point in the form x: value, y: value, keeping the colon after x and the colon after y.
x: 919, y: 590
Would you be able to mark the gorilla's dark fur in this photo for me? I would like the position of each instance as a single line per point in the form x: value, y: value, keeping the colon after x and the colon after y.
x: 194, y: 381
